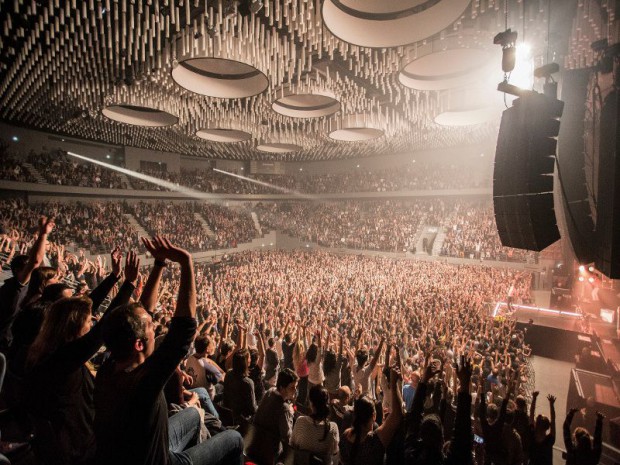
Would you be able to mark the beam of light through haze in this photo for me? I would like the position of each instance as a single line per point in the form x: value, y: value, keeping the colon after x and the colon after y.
x: 189, y: 192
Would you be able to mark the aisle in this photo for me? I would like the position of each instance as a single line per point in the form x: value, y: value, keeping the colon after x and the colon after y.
x: 553, y: 377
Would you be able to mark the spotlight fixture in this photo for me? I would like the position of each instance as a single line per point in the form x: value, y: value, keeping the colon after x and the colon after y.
x: 591, y: 269
x: 507, y: 40
x: 582, y: 268
x: 590, y: 279
x: 581, y: 279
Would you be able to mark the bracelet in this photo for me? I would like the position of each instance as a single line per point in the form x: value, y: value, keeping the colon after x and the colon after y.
x: 161, y: 263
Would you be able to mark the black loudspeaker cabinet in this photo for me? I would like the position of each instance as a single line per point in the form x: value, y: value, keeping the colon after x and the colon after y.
x: 523, y: 173
x: 607, y: 256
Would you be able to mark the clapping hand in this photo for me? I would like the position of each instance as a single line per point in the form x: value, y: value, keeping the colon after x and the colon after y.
x: 161, y: 249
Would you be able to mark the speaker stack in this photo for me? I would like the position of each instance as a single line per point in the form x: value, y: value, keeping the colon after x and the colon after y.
x: 523, y: 172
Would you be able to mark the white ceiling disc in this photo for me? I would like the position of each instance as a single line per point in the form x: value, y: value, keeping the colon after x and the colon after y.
x: 355, y: 134
x: 446, y: 69
x: 139, y: 116
x: 279, y: 148
x: 377, y: 24
x: 306, y: 105
x: 224, y: 135
x: 220, y: 77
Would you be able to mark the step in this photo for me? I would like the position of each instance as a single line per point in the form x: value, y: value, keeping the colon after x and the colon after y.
x: 125, y: 180
x: 207, y: 229
x: 137, y: 226
x: 35, y: 173
x: 256, y: 223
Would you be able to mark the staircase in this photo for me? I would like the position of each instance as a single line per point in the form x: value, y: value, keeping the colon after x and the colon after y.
x: 438, y: 244
x: 35, y: 173
x: 124, y: 179
x: 137, y: 226
x: 205, y: 226
x: 257, y: 224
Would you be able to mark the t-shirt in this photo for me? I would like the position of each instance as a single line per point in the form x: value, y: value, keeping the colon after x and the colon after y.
x: 408, y: 394
x: 310, y: 435
x: 131, y: 420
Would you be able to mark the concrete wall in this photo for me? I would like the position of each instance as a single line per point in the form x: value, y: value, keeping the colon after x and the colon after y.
x: 193, y: 163
x: 41, y: 141
x: 392, y: 161
x: 134, y: 155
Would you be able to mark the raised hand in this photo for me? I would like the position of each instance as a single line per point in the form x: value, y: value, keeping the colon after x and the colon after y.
x: 46, y: 225
x: 600, y: 416
x: 132, y: 267
x: 115, y: 258
x: 551, y: 399
x: 535, y: 394
x: 464, y: 372
x: 430, y: 370
x: 395, y: 376
x: 162, y: 249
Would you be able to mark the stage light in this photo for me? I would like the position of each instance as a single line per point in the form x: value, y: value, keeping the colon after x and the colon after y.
x: 507, y: 40
x: 15, y: 139
x: 107, y: 156
x: 582, y: 268
x: 590, y: 279
x: 591, y: 269
x: 581, y: 279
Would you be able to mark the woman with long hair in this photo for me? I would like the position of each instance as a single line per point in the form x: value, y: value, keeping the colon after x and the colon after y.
x: 315, y: 433
x: 40, y: 278
x: 362, y: 444
x: 581, y: 448
x: 301, y: 368
x: 239, y: 388
x: 62, y: 384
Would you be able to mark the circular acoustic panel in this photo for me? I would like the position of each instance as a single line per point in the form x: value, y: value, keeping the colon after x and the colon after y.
x: 466, y: 117
x: 139, y: 116
x: 219, y: 77
x: 279, y: 148
x: 445, y: 69
x: 355, y: 134
x: 370, y: 23
x: 224, y: 135
x: 306, y: 105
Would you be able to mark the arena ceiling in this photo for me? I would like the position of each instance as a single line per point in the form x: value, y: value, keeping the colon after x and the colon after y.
x: 285, y: 79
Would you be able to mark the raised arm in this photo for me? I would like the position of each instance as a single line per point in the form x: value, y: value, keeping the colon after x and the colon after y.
x: 37, y: 252
x: 533, y: 407
x: 597, y: 446
x: 375, y: 358
x: 150, y: 292
x: 389, y: 427
x: 99, y: 294
x: 551, y: 400
x: 159, y: 366
x: 462, y: 435
x: 414, y: 417
x: 568, y: 441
